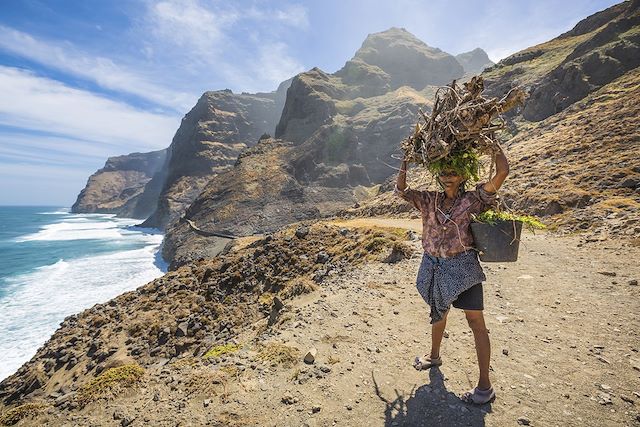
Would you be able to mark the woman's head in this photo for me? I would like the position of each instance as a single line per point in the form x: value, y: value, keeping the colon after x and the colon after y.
x: 455, y: 169
x: 451, y: 179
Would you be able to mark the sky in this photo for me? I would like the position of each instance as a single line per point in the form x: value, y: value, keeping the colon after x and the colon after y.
x: 84, y: 80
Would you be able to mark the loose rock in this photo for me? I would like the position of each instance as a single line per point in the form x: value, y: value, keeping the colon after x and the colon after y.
x: 310, y: 357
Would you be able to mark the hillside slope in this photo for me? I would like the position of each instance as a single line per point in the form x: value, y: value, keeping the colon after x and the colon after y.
x: 599, y: 49
x: 579, y: 169
x: 342, y: 129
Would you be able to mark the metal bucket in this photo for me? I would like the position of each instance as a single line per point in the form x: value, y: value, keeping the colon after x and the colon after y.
x: 498, y: 242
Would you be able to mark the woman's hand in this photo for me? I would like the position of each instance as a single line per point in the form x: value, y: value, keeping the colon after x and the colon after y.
x: 502, y: 170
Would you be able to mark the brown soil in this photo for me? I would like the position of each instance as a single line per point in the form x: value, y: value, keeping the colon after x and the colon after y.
x: 563, y: 325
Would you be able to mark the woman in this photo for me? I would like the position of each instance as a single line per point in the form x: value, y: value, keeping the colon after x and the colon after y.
x: 450, y: 272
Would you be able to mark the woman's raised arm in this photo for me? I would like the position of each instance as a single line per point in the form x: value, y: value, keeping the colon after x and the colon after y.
x: 502, y: 170
x: 401, y: 182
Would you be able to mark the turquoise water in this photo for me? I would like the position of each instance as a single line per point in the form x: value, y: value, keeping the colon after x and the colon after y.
x: 53, y: 264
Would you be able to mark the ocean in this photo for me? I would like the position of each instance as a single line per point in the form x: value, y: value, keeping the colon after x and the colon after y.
x: 54, y: 263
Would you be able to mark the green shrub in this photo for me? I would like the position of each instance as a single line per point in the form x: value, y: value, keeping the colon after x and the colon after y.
x: 492, y: 217
x: 219, y: 350
x: 336, y: 145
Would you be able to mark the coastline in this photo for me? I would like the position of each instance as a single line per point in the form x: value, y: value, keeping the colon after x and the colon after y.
x: 92, y: 259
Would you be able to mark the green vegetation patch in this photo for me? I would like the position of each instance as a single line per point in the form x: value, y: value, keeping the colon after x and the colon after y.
x: 13, y: 415
x: 464, y: 163
x: 109, y: 382
x: 492, y: 217
x: 221, y: 349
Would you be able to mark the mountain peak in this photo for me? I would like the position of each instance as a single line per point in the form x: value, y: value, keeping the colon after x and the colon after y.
x: 474, y: 61
x: 395, y: 37
x: 398, y: 53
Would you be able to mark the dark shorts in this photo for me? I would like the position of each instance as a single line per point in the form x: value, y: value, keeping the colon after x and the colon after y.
x: 471, y: 299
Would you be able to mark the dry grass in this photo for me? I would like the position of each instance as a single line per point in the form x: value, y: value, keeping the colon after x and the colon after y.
x: 110, y: 382
x: 279, y: 354
x: 14, y: 415
x: 296, y: 287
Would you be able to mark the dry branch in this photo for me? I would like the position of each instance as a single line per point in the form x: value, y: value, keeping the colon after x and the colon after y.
x: 461, y: 119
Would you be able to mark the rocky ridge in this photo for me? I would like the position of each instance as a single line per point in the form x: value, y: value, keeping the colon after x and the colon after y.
x: 341, y: 129
x: 599, y: 49
x: 209, y: 139
x: 474, y: 61
x: 118, y: 187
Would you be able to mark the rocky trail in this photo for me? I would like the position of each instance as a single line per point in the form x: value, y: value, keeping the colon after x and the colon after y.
x: 564, y: 332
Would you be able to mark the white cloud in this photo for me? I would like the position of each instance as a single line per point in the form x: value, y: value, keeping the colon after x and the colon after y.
x: 103, y: 71
x: 292, y: 15
x: 190, y: 25
x: 36, y: 103
x: 49, y: 149
x: 202, y: 38
x: 295, y: 15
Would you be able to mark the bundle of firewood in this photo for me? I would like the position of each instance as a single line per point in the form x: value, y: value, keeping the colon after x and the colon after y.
x: 461, y: 120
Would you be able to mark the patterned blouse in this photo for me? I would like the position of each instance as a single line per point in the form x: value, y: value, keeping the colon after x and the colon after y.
x: 447, y: 234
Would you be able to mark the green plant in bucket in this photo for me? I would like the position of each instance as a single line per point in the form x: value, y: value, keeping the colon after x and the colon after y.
x: 491, y: 217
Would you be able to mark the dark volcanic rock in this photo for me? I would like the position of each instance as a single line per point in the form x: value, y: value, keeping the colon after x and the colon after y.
x: 602, y: 58
x: 310, y: 103
x: 118, y: 187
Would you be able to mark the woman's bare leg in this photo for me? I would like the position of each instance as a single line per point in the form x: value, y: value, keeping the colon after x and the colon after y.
x: 475, y: 319
x: 437, y: 331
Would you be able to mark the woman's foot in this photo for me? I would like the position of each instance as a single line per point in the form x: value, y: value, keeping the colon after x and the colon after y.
x: 425, y: 362
x: 478, y: 396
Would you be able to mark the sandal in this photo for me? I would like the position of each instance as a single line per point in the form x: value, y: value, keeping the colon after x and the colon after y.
x: 422, y: 363
x: 478, y: 396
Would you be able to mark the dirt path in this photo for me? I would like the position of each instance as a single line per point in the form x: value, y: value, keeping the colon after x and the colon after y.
x: 564, y: 336
x: 564, y: 333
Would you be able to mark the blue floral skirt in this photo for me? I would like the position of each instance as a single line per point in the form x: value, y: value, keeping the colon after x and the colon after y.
x: 441, y: 280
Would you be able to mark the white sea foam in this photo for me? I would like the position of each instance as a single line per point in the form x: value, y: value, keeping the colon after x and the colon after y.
x: 82, y: 227
x: 58, y: 212
x: 35, y: 303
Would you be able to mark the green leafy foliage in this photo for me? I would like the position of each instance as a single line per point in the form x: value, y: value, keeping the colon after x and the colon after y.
x: 465, y: 163
x: 492, y: 217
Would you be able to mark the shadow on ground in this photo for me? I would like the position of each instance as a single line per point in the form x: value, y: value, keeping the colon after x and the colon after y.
x: 431, y: 405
